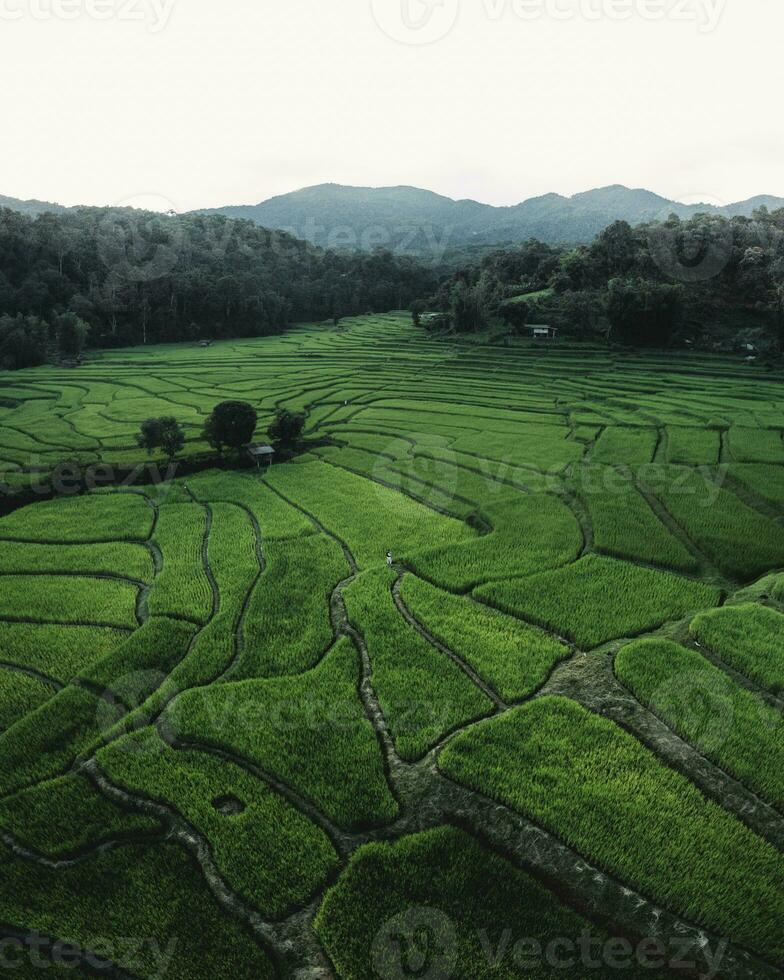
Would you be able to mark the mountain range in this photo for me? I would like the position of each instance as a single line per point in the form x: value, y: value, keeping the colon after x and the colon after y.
x: 32, y: 208
x: 412, y: 219
x: 415, y: 220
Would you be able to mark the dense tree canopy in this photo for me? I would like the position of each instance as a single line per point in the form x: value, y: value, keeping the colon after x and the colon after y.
x: 111, y: 277
x: 642, y: 313
x: 729, y: 274
x: 286, y: 428
x: 134, y: 276
x: 164, y: 433
x: 231, y: 424
x: 23, y: 341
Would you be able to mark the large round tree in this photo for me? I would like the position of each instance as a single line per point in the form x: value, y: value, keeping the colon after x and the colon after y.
x: 231, y: 425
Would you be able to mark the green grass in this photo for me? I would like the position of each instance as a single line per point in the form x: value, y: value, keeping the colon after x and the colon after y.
x: 224, y: 634
x: 298, y: 856
x: 448, y: 872
x: 624, y: 525
x: 756, y: 445
x: 750, y: 638
x: 136, y: 668
x: 309, y: 730
x: 513, y: 658
x: 92, y: 518
x: 368, y: 517
x: 287, y: 628
x: 404, y: 480
x: 63, y: 816
x: 528, y: 297
x: 276, y: 518
x: 762, y: 479
x: 468, y: 489
x: 235, y: 566
x: 182, y: 588
x: 596, y: 787
x: 598, y: 599
x: 60, y: 652
x: 69, y: 600
x: 732, y: 726
x: 423, y: 693
x: 543, y: 447
x: 45, y: 742
x: 693, y: 447
x: 497, y: 480
x: 19, y: 696
x: 740, y: 540
x: 145, y: 908
x: 231, y: 553
x: 530, y: 534
x: 118, y: 558
x: 625, y: 446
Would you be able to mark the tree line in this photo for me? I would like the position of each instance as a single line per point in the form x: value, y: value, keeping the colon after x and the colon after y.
x: 118, y: 277
x: 231, y: 425
x: 707, y: 281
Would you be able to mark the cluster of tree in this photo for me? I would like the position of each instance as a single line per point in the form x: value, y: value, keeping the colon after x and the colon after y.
x: 27, y: 341
x: 286, y: 429
x: 701, y: 279
x: 164, y: 433
x: 133, y: 277
x: 231, y: 425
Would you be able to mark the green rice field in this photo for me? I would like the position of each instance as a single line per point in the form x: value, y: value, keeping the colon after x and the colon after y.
x: 546, y: 740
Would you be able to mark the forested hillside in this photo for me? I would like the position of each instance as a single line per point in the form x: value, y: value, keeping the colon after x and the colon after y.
x: 31, y: 208
x: 133, y: 276
x: 706, y: 281
x: 109, y: 277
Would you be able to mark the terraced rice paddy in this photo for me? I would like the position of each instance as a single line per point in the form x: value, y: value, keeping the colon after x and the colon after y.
x: 229, y: 730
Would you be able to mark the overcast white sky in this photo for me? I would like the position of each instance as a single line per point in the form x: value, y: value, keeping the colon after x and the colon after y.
x: 233, y: 101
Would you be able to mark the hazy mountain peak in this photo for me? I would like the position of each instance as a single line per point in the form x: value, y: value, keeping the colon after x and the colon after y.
x: 414, y: 219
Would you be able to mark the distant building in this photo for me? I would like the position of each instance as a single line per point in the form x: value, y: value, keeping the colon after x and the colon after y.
x: 261, y: 454
x: 540, y: 331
